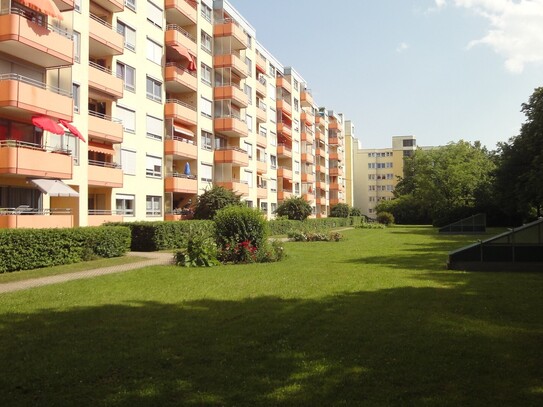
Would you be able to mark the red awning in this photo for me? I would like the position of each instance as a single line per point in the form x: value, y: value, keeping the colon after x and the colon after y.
x: 46, y: 123
x: 184, y: 52
x: 73, y: 130
x: 43, y: 6
x: 101, y: 148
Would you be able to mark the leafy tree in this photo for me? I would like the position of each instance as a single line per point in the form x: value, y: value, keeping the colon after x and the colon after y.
x: 385, y: 218
x: 214, y: 199
x: 519, y: 177
x: 295, y: 208
x: 355, y: 212
x: 341, y: 210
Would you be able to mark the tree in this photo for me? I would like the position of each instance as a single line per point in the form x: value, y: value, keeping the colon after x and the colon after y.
x: 341, y: 210
x: 295, y: 208
x: 355, y: 212
x: 214, y: 199
x: 446, y: 181
x: 519, y: 177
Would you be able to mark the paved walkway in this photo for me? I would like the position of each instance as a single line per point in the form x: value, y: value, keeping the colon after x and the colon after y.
x: 152, y: 259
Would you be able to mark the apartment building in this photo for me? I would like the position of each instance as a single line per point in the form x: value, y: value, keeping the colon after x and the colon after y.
x: 376, y: 172
x: 115, y: 110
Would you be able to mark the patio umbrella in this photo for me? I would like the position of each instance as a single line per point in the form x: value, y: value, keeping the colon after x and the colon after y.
x: 187, y: 168
x: 73, y: 130
x: 46, y: 123
x: 43, y: 6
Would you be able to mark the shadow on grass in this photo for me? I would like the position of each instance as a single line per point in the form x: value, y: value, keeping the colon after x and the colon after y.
x: 404, y: 346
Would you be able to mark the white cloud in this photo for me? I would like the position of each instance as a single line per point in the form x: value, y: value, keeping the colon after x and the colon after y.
x: 402, y: 47
x: 515, y: 32
x: 440, y: 3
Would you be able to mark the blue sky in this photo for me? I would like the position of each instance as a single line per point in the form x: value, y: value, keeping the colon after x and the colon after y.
x: 442, y: 70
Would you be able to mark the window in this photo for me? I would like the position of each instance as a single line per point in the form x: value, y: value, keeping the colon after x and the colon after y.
x: 295, y: 83
x: 129, y: 35
x: 76, y: 92
x: 272, y: 71
x: 249, y: 149
x: 249, y: 203
x: 77, y: 6
x: 249, y: 92
x: 77, y: 46
x: 296, y: 104
x: 153, y: 205
x: 273, y: 161
x: 205, y: 74
x: 249, y: 41
x: 297, y: 167
x: 296, y: 146
x: 273, y: 138
x: 153, y: 166
x: 125, y: 205
x: 207, y: 107
x: 249, y: 120
x: 206, y: 42
x: 409, y: 143
x: 207, y: 140
x: 154, y: 14
x: 128, y: 118
x: 154, y: 51
x: 249, y: 178
x: 220, y: 142
x: 131, y: 4
x: 128, y: 75
x: 205, y: 11
x: 154, y: 89
x: 296, y: 125
x: 273, y: 185
x: 249, y: 64
x: 273, y: 207
x: 155, y: 128
x: 273, y: 116
x: 206, y: 173
x: 264, y: 207
x: 128, y: 162
x: 297, y: 188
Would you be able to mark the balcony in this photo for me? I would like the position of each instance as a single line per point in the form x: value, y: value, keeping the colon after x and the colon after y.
x: 64, y: 5
x: 12, y: 218
x: 320, y: 121
x: 231, y: 126
x: 320, y: 136
x: 97, y: 217
x: 284, y: 194
x: 231, y: 155
x: 180, y: 147
x: 308, y: 136
x: 309, y: 197
x: 321, y: 185
x: 335, y: 156
x: 181, y: 12
x: 336, y: 171
x: 335, y: 141
x: 105, y: 174
x: 306, y: 177
x: 262, y: 193
x: 308, y: 118
x: 282, y: 82
x: 104, y: 39
x: 334, y: 186
x: 284, y: 106
x: 261, y: 113
x: 181, y: 112
x: 261, y: 87
x: 334, y: 201
x: 284, y: 151
x: 178, y: 36
x: 105, y: 128
x: 320, y: 200
x: 308, y: 158
x: 30, y: 160
x: 285, y: 173
x: 335, y: 125
x: 261, y: 167
x: 233, y: 93
x: 179, y: 79
x: 232, y: 61
x: 238, y: 186
x: 306, y: 98
x: 261, y: 63
x: 284, y: 129
x: 103, y: 80
x: 320, y: 168
x: 113, y: 6
x: 230, y: 28
x: 186, y: 184
x: 32, y: 97
x: 42, y: 45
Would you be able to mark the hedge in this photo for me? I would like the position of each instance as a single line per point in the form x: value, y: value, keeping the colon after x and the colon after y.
x: 163, y: 235
x: 25, y: 249
x: 285, y: 226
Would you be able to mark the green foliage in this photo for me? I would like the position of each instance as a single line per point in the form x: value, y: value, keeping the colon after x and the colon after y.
x: 237, y: 224
x: 355, y: 212
x: 199, y: 250
x: 370, y: 225
x: 213, y: 200
x: 155, y: 236
x: 406, y: 210
x: 284, y: 226
x: 295, y: 208
x: 25, y: 249
x: 315, y: 236
x: 270, y: 252
x: 385, y: 218
x: 341, y: 210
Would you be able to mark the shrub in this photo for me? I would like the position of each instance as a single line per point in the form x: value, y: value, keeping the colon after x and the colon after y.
x: 385, y: 218
x: 341, y: 210
x: 213, y: 200
x: 270, y: 252
x: 372, y: 225
x: 355, y: 212
x: 295, y: 208
x: 315, y: 237
x: 199, y: 250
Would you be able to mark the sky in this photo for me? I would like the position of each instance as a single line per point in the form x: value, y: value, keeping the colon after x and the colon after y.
x: 441, y: 70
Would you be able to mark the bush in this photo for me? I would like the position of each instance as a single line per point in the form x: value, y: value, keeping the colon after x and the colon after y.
x: 295, y: 208
x: 372, y: 225
x: 200, y: 250
x: 341, y: 210
x: 315, y: 237
x: 284, y: 226
x: 213, y: 200
x: 385, y: 218
x: 25, y: 249
x: 355, y: 212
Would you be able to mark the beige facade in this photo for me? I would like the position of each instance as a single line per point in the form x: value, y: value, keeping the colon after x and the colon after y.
x: 376, y: 172
x: 170, y: 97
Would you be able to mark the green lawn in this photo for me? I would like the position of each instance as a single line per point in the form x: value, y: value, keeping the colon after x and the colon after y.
x: 374, y: 320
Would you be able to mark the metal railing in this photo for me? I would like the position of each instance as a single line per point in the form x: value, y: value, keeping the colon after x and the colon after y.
x: 179, y: 102
x: 181, y: 31
x: 106, y: 212
x: 33, y: 146
x: 180, y: 139
x: 104, y: 164
x: 26, y: 210
x: 229, y: 116
x: 232, y: 148
x: 104, y: 117
x: 104, y: 69
x: 176, y: 174
x: 34, y: 82
x: 180, y: 68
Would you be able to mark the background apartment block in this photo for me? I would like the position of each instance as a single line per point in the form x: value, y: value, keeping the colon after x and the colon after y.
x: 157, y: 100
x: 376, y: 172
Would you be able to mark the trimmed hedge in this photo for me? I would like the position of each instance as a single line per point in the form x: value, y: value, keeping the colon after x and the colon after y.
x: 25, y: 249
x: 163, y: 235
x: 285, y: 226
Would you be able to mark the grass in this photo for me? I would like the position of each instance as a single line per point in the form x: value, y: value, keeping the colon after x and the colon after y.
x: 373, y: 320
x: 67, y: 268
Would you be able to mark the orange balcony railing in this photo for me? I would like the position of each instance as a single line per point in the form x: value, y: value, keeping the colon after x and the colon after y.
x: 231, y: 126
x: 181, y: 12
x: 282, y: 82
x: 232, y: 61
x: 97, y: 217
x: 231, y: 155
x: 104, y: 39
x: 308, y: 158
x: 284, y: 129
x: 187, y: 184
x: 102, y: 79
x: 114, y: 6
x: 179, y: 79
x: 181, y: 112
x: 176, y: 35
x: 230, y: 28
x: 306, y: 98
x: 236, y: 185
x: 180, y: 147
x: 13, y: 218
x: 105, y: 128
x: 231, y: 92
x: 284, y: 172
x: 105, y: 174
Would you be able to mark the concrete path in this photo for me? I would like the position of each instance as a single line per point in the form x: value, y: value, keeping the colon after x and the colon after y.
x: 152, y: 259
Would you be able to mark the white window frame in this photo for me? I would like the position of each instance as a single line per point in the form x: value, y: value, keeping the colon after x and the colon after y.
x: 128, y: 161
x: 153, y: 166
